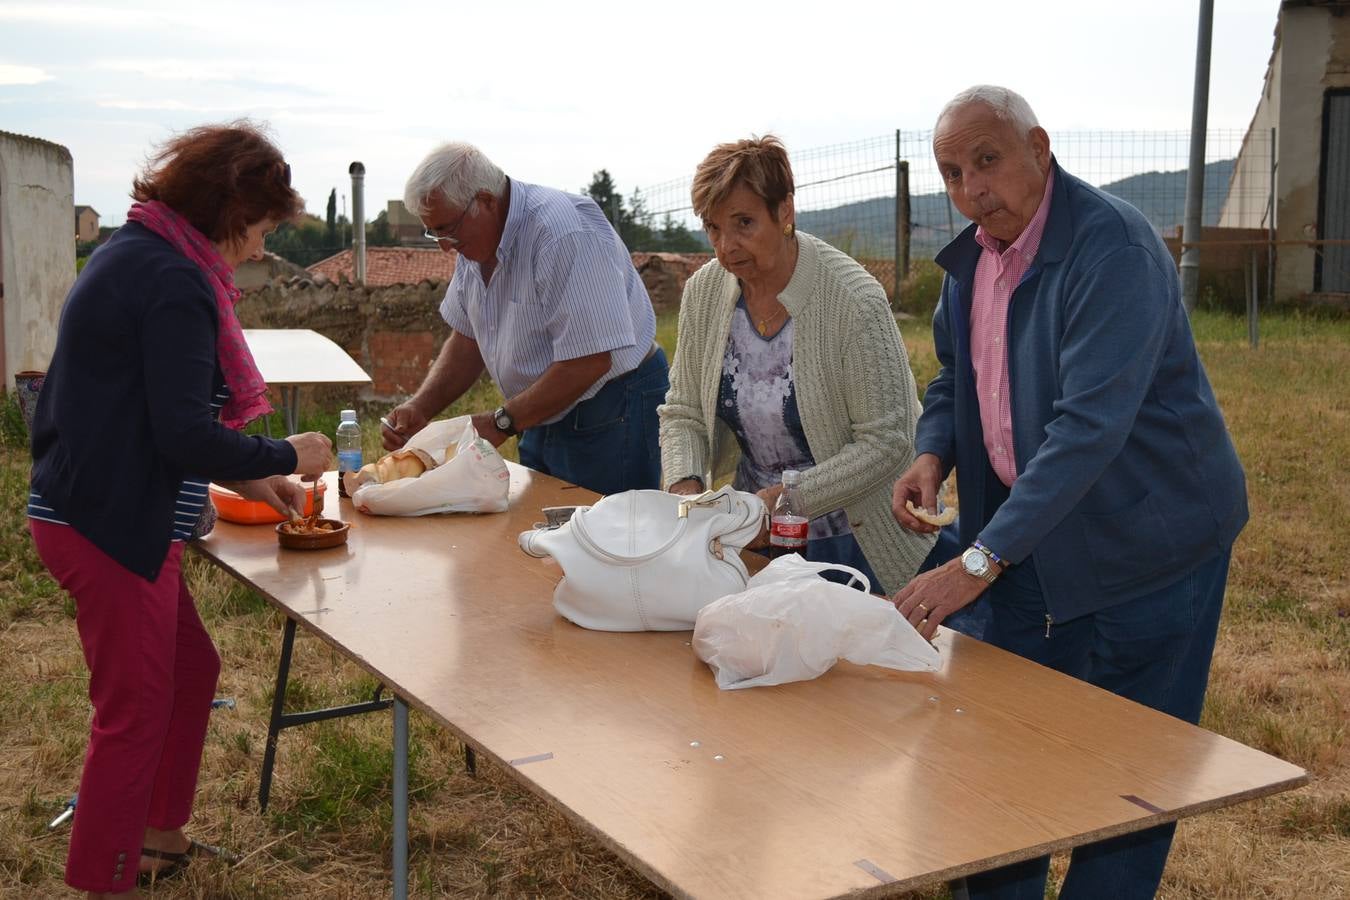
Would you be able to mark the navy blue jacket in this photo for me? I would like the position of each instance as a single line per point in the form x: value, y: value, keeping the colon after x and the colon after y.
x: 125, y: 411
x: 1126, y: 476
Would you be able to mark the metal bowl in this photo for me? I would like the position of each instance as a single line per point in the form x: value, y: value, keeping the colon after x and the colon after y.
x: 318, y: 540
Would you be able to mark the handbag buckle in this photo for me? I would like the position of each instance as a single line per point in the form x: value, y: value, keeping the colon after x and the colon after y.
x: 557, y: 516
x: 707, y: 498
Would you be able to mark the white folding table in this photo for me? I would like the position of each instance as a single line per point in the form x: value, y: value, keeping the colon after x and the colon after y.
x: 291, y: 357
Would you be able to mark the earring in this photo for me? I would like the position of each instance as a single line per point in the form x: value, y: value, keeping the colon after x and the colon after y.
x: 788, y: 229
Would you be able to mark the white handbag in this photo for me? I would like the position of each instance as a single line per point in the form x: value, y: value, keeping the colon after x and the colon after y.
x: 649, y: 560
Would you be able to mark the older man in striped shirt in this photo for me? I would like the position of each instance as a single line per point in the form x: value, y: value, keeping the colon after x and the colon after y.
x: 546, y: 299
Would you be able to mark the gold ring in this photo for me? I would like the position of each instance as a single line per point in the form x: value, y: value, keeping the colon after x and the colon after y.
x: 924, y: 608
x: 923, y: 621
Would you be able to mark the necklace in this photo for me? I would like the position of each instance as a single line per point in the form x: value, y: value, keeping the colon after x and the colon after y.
x: 764, y: 324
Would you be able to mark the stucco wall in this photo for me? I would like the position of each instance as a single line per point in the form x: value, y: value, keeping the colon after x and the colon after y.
x: 1312, y: 56
x: 37, y: 207
x: 1249, y: 187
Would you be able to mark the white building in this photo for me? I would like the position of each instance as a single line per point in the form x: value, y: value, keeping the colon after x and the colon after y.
x: 37, y: 251
x: 1306, y: 100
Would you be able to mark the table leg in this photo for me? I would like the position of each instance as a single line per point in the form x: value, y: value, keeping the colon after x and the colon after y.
x: 400, y: 799
x: 290, y: 404
x: 281, y: 720
x: 274, y: 724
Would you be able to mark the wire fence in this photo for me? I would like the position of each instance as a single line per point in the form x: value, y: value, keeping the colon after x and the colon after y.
x: 853, y: 194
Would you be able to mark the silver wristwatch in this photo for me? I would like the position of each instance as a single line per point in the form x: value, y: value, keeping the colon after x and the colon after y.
x: 976, y: 562
x: 505, y: 424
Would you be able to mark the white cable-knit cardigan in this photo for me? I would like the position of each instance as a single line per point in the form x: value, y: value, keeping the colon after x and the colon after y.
x: 855, y: 394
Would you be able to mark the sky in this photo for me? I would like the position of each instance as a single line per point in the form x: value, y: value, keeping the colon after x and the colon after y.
x: 554, y: 91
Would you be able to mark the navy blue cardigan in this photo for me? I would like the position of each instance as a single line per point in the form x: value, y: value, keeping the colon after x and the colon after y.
x: 125, y: 411
x: 1127, y: 478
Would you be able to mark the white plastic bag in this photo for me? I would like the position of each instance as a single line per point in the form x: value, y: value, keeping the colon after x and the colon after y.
x: 789, y: 624
x: 473, y: 479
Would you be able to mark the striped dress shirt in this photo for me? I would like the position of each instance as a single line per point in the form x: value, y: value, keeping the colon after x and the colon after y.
x: 997, y: 275
x: 564, y: 287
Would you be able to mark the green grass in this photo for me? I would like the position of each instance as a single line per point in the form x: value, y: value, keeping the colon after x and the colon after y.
x: 1280, y: 682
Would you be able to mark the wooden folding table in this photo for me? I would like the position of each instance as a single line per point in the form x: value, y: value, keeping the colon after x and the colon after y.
x: 864, y: 780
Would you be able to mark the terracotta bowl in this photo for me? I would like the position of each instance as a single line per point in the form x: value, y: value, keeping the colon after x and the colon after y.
x: 319, y: 540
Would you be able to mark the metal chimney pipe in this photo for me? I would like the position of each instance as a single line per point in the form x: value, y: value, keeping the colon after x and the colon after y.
x: 358, y: 173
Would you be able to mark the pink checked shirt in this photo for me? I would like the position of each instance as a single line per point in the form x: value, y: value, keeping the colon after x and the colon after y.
x: 996, y: 277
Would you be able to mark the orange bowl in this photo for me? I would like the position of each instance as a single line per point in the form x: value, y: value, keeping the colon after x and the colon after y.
x: 234, y: 508
x: 318, y: 540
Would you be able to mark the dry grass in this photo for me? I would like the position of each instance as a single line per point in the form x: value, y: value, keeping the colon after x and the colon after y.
x: 1281, y: 682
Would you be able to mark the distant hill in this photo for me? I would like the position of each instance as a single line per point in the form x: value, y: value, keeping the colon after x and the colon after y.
x: 866, y: 228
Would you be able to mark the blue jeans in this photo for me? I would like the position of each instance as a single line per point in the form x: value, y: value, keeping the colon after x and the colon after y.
x: 1154, y: 650
x: 608, y: 443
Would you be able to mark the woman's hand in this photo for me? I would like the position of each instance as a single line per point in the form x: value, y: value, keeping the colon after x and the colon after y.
x: 770, y: 496
x: 687, y: 486
x: 919, y: 485
x: 277, y: 491
x: 313, y: 452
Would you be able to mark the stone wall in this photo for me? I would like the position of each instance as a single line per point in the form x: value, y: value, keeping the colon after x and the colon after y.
x: 394, y: 333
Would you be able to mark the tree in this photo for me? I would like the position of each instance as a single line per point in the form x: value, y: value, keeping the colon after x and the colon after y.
x: 636, y: 226
x: 610, y: 201
x: 379, y: 233
x: 303, y: 243
x: 332, y: 218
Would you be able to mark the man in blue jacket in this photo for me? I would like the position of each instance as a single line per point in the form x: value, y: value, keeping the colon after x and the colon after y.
x: 1100, y: 494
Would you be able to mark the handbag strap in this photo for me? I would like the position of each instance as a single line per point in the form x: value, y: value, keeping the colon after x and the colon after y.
x: 578, y: 526
x: 526, y: 542
x: 856, y: 577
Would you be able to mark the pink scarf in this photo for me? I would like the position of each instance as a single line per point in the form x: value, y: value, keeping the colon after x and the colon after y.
x: 248, y: 390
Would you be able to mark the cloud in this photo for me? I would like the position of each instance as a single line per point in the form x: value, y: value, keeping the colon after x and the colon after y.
x: 85, y: 16
x: 12, y: 74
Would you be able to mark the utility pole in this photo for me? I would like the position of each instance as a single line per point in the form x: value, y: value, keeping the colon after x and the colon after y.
x: 1195, y: 176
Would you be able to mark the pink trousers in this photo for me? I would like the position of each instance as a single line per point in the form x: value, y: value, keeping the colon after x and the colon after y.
x: 152, y: 676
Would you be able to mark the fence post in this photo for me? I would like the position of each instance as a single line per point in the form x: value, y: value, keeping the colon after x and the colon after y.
x: 901, y: 220
x: 1253, y: 304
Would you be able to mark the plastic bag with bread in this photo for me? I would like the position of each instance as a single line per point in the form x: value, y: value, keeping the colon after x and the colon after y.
x: 405, y: 463
x: 445, y: 467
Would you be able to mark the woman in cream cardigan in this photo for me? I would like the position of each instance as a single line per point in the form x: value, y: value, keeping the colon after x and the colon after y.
x: 789, y: 358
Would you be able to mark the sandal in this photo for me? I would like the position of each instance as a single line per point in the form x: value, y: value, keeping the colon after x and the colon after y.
x: 177, y: 862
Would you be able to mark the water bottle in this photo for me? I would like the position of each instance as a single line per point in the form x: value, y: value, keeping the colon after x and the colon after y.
x: 787, y: 525
x: 348, y: 447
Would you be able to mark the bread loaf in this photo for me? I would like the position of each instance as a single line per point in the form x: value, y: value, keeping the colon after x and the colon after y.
x: 391, y: 467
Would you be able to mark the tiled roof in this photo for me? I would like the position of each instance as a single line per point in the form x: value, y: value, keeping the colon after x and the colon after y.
x: 687, y: 263
x: 413, y: 265
x: 391, y: 265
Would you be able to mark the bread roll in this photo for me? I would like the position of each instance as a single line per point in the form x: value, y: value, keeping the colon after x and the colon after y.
x: 946, y: 517
x: 399, y: 464
x: 404, y: 463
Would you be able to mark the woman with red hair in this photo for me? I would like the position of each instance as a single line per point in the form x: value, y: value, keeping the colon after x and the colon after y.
x: 148, y: 387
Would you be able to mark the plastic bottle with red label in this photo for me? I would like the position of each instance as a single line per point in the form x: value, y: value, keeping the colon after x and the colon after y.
x: 787, y: 525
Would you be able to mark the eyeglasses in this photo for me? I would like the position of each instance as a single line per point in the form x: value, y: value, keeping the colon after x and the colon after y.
x: 450, y: 235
